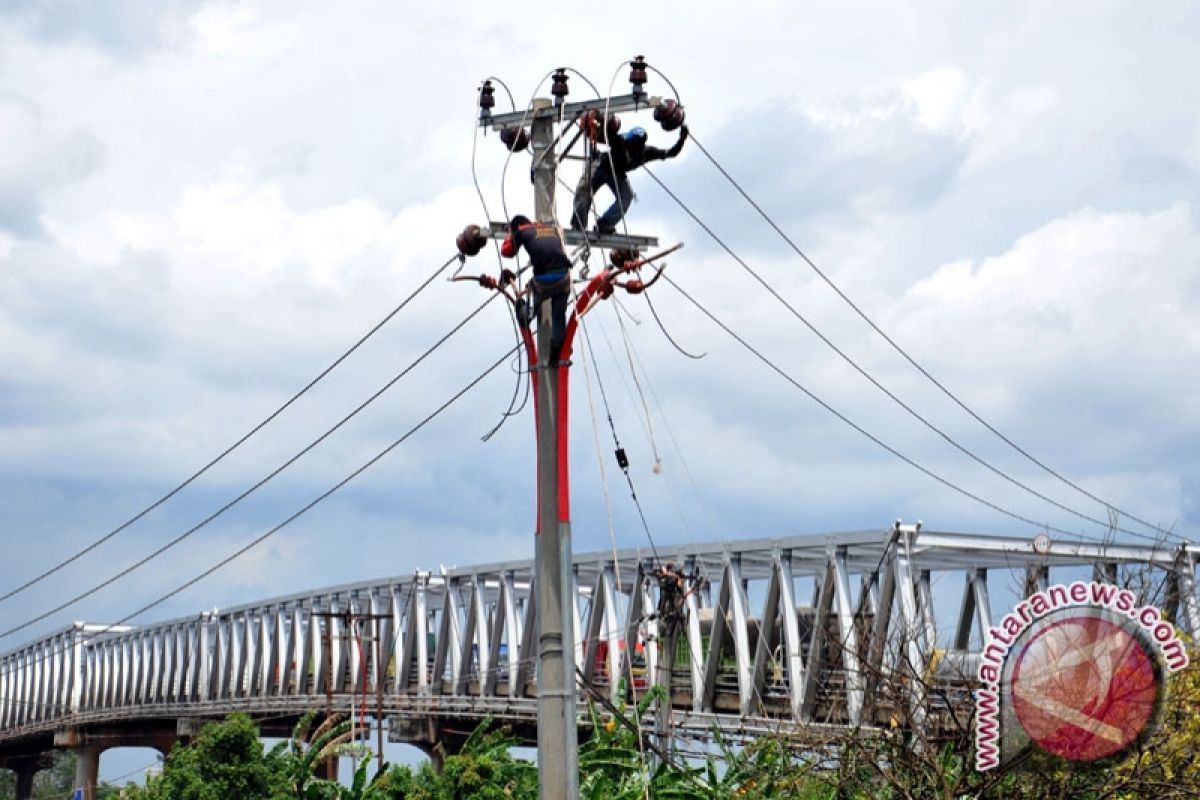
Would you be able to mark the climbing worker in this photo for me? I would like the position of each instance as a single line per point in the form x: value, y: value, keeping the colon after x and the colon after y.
x: 625, y: 153
x: 551, y: 273
x: 671, y: 593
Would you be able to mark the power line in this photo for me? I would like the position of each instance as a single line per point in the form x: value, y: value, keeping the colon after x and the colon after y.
x: 181, y: 537
x: 513, y: 409
x: 917, y: 365
x: 106, y: 537
x: 878, y: 385
x: 314, y: 502
x: 622, y: 460
x: 912, y: 463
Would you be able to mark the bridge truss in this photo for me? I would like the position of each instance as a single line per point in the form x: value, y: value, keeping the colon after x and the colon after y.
x: 793, y: 636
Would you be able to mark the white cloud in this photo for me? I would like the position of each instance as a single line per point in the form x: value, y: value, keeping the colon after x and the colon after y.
x: 938, y: 97
x: 204, y: 203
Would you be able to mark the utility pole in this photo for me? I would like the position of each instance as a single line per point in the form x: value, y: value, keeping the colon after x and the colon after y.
x: 331, y: 764
x: 558, y: 738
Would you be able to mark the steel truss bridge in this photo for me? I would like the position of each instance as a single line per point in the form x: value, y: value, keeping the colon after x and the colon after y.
x: 791, y: 636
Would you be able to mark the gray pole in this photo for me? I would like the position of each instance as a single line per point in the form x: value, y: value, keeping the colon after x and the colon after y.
x: 666, y: 667
x: 558, y: 743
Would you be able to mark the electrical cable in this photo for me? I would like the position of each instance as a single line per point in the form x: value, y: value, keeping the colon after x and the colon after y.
x: 315, y: 501
x: 666, y: 333
x: 875, y: 382
x: 181, y: 537
x: 612, y: 533
x: 700, y: 496
x: 622, y: 463
x: 617, y: 193
x: 658, y: 461
x: 106, y: 537
x: 641, y: 394
x: 512, y: 410
x: 919, y: 367
x: 508, y: 158
x: 912, y: 463
x: 666, y: 474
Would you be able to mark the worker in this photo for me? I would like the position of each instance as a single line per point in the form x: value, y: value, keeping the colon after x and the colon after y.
x: 671, y: 593
x: 551, y: 273
x: 625, y: 153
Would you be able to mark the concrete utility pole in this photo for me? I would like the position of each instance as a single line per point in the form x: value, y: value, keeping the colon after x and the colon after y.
x: 558, y: 738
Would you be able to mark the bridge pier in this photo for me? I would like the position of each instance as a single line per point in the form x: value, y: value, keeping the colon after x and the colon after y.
x: 87, y: 769
x: 25, y: 776
x: 25, y: 768
x: 436, y: 755
x: 88, y: 743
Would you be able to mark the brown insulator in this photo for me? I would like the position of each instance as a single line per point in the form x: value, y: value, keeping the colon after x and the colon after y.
x: 637, y: 74
x: 470, y: 241
x: 486, y: 100
x: 515, y: 139
x: 669, y: 114
x: 612, y: 125
x: 621, y: 256
x: 558, y: 87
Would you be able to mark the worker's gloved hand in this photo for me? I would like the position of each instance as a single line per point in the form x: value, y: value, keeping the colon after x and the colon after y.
x: 507, y: 276
x: 683, y: 132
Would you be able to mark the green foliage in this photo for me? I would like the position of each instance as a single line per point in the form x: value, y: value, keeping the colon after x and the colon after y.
x: 303, y: 754
x: 484, y: 769
x: 226, y: 760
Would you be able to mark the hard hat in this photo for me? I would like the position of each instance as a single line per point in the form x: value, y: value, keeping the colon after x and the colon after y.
x: 636, y: 133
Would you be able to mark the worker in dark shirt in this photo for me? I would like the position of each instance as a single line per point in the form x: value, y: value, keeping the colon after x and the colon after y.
x: 551, y: 272
x: 625, y: 154
x: 671, y: 593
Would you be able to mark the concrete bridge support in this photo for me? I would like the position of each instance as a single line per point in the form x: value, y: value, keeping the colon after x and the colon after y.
x: 88, y: 743
x: 87, y: 769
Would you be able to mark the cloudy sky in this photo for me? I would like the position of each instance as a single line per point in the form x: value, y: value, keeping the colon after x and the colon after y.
x: 202, y: 204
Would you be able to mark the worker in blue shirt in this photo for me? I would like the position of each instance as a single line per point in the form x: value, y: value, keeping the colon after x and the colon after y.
x: 625, y: 153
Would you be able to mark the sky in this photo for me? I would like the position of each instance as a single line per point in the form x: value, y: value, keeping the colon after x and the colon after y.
x: 203, y: 204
